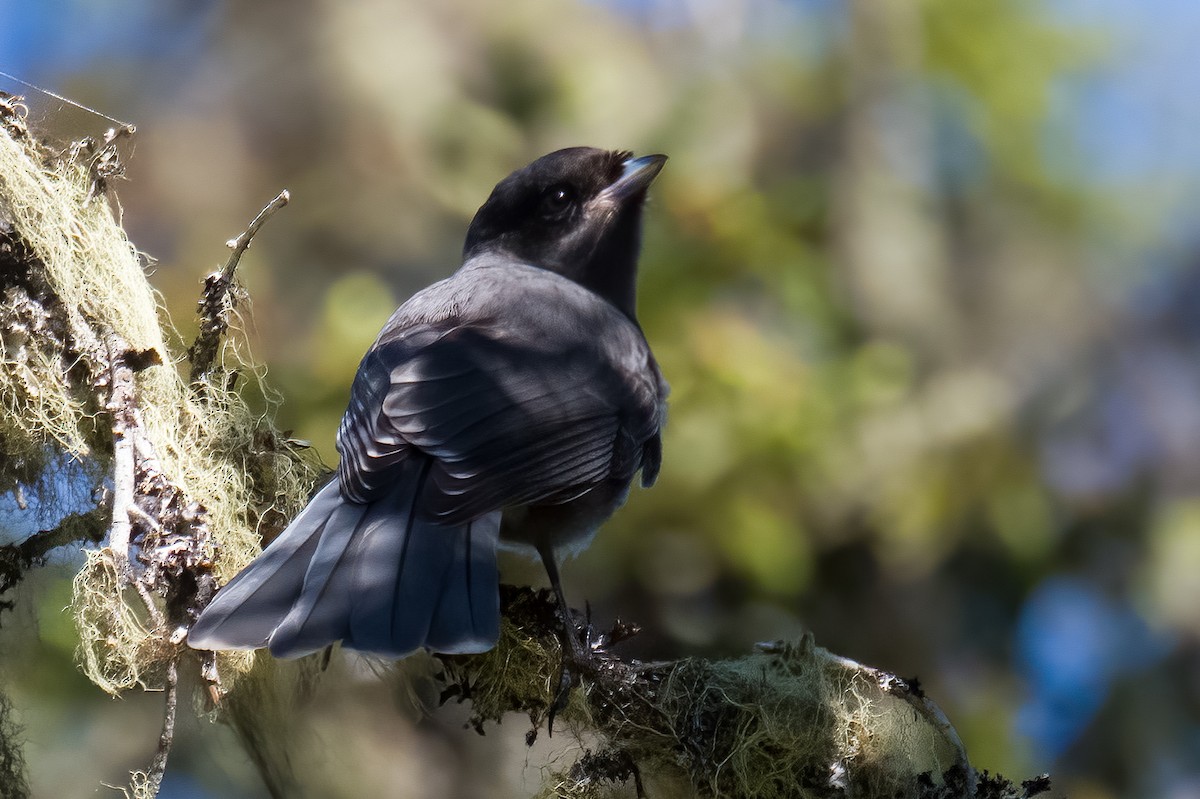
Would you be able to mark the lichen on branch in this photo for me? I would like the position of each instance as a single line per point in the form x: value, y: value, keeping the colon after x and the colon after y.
x: 89, y: 371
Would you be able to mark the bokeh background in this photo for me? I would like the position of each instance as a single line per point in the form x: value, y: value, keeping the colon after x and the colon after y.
x: 924, y: 276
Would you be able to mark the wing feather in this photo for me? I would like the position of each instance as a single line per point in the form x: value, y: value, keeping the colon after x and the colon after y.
x: 506, y: 421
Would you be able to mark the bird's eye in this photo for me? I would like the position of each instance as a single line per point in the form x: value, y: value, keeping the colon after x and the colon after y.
x: 557, y: 201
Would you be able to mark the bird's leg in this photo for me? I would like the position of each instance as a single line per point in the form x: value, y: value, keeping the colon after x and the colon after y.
x: 571, y: 650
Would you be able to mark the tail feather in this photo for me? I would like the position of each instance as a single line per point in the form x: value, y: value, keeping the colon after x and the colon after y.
x: 252, y: 604
x: 375, y: 575
x: 403, y: 575
x: 396, y: 607
x: 318, y: 615
x: 333, y: 592
x: 467, y: 617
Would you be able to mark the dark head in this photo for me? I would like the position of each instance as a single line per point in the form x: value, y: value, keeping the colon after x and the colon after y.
x: 577, y: 212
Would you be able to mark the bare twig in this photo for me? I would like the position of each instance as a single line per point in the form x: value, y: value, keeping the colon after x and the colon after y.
x: 242, y: 242
x: 158, y: 766
x: 219, y: 297
x: 122, y: 409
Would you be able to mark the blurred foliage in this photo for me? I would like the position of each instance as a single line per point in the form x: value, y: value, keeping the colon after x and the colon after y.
x: 909, y: 385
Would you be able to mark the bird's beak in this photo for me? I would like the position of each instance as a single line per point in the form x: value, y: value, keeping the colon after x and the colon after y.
x: 636, y: 176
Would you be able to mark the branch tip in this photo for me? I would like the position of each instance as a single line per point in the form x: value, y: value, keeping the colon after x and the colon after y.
x: 219, y: 297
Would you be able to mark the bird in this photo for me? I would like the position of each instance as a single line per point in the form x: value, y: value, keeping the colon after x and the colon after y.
x: 509, y: 405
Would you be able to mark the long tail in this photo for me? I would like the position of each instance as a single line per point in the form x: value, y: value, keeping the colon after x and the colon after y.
x: 375, y: 575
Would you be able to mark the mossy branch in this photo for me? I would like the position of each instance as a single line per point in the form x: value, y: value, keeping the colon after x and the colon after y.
x: 86, y: 373
x: 787, y: 720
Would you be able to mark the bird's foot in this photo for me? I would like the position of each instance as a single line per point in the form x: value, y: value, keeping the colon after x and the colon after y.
x: 575, y: 658
x: 566, y: 682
